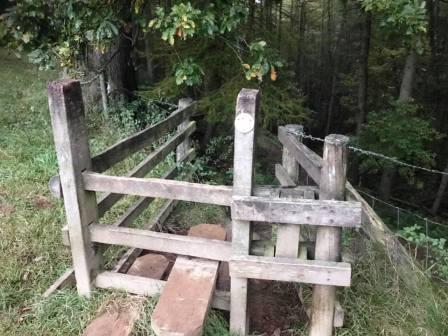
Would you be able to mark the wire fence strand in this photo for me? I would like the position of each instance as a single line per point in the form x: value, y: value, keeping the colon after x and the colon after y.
x: 361, y: 151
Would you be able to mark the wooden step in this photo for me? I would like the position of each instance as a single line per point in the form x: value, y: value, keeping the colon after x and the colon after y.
x: 186, y: 298
x: 119, y: 321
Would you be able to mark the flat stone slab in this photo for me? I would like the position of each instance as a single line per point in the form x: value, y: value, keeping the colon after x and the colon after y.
x: 150, y: 266
x: 114, y: 322
x: 208, y: 231
x: 185, y: 300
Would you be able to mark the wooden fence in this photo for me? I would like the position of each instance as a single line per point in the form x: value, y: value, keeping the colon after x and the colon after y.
x: 291, y: 207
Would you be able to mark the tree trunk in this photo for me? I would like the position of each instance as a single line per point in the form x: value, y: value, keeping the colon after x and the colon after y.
x: 335, y: 56
x: 120, y: 70
x: 364, y: 72
x: 300, y: 66
x: 440, y: 192
x: 405, y: 96
x: 407, y: 82
x: 387, y: 179
x: 149, y: 65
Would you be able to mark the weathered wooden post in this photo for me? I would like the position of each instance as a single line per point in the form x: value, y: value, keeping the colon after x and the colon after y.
x: 245, y: 124
x: 183, y: 148
x: 288, y: 235
x: 72, y: 148
x: 328, y: 239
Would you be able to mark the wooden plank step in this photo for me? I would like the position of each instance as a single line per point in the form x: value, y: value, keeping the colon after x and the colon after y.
x: 119, y: 321
x: 186, y: 298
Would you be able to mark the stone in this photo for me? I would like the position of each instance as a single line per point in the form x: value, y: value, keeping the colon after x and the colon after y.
x: 150, y: 265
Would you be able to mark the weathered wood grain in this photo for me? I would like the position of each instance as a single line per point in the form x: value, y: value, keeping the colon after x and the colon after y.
x: 291, y: 270
x: 140, y: 140
x: 161, y: 242
x: 153, y: 159
x: 150, y: 287
x: 247, y: 106
x: 153, y: 187
x: 282, y: 176
x: 186, y: 144
x: 328, y: 239
x: 297, y: 211
x: 288, y: 235
x: 72, y: 148
x: 308, y: 160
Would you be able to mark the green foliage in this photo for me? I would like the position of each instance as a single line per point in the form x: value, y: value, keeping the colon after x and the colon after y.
x: 262, y: 64
x: 387, y: 133
x: 435, y: 248
x: 133, y: 116
x: 57, y: 32
x: 404, y: 17
x: 185, y: 21
x: 215, y: 166
x: 188, y: 72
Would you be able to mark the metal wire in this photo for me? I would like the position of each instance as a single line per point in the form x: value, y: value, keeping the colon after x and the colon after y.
x: 371, y: 153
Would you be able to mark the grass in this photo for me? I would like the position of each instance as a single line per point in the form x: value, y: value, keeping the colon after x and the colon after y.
x: 32, y: 255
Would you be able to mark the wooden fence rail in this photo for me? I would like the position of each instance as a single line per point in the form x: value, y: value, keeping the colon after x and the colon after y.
x: 288, y: 207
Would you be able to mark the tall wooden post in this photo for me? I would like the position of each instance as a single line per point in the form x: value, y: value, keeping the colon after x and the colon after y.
x: 183, y: 148
x: 288, y: 235
x: 245, y: 124
x: 328, y: 239
x: 72, y: 148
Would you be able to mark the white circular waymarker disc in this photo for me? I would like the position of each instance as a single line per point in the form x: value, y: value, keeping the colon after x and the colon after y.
x: 244, y: 123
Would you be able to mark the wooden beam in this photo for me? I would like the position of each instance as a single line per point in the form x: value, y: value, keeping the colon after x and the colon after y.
x: 328, y: 239
x: 65, y: 280
x: 291, y: 270
x: 288, y: 235
x: 107, y: 201
x: 310, y: 161
x: 186, y: 144
x: 128, y: 258
x: 152, y: 187
x: 150, y: 287
x: 282, y: 176
x: 247, y: 107
x: 161, y: 242
x: 140, y: 140
x: 298, y: 211
x: 72, y: 148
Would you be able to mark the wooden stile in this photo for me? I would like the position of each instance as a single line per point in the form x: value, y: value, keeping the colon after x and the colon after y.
x: 161, y: 242
x: 291, y: 269
x: 328, y: 239
x: 186, y: 144
x: 297, y: 211
x: 72, y: 148
x: 310, y: 161
x: 150, y: 287
x: 153, y: 187
x: 140, y: 140
x: 245, y: 125
x: 153, y: 159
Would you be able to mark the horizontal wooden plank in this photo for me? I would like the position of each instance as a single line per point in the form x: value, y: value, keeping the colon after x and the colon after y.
x: 152, y: 160
x: 152, y: 187
x: 128, y: 258
x: 128, y: 146
x: 149, y: 287
x: 138, y: 207
x: 161, y: 242
x: 297, y: 211
x: 291, y: 270
x: 310, y: 161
